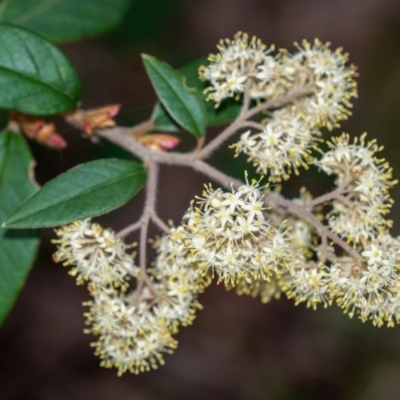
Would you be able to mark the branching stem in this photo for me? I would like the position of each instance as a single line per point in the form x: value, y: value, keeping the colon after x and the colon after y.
x: 125, y: 137
x: 302, y: 211
x: 342, y: 189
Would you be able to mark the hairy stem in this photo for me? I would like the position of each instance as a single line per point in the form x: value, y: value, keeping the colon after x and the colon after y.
x: 246, y: 99
x: 253, y: 124
x: 148, y: 213
x: 160, y: 223
x: 131, y: 228
x: 221, y: 138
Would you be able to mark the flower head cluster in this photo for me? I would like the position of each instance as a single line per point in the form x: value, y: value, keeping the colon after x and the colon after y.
x: 369, y: 287
x: 282, y: 147
x: 131, y: 337
x: 230, y: 236
x: 331, y: 82
x: 134, y: 329
x: 315, y: 255
x: 363, y: 181
x: 316, y: 80
x: 177, y: 279
x: 307, y: 281
x: 364, y: 280
x: 242, y: 63
x: 314, y: 68
x: 96, y: 255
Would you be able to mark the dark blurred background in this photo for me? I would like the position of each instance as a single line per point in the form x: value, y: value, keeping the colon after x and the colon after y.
x: 237, y: 347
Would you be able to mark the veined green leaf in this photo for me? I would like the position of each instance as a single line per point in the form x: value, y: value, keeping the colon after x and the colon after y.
x: 183, y: 104
x: 17, y: 248
x: 227, y: 111
x: 64, y: 20
x: 35, y: 77
x: 84, y: 191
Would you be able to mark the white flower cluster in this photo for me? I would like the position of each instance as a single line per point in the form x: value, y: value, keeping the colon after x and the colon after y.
x: 342, y: 254
x: 134, y: 328
x: 331, y: 82
x: 282, y: 147
x: 363, y: 282
x: 243, y: 63
x: 359, y: 212
x: 321, y: 75
x: 307, y: 281
x: 367, y: 286
x: 130, y: 336
x: 230, y: 236
x: 366, y: 282
x: 370, y: 287
x: 178, y: 279
x: 97, y: 255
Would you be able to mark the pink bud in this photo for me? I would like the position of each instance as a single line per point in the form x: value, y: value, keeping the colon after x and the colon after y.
x: 113, y: 111
x: 87, y: 127
x: 166, y: 141
x: 55, y: 141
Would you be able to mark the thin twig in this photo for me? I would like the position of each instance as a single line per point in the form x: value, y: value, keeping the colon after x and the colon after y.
x: 121, y: 135
x: 278, y: 102
x: 302, y: 211
x: 253, y: 124
x: 148, y: 213
x: 216, y: 175
x: 246, y: 99
x: 131, y: 228
x: 324, y: 249
x: 149, y: 208
x: 207, y: 150
x: 334, y: 194
x: 142, y: 255
x: 151, y: 186
x: 160, y: 223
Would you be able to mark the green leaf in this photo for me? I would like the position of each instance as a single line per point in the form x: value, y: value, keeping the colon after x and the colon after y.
x: 162, y: 120
x: 85, y: 191
x: 17, y: 248
x: 35, y: 76
x: 227, y: 111
x: 64, y: 20
x: 183, y: 104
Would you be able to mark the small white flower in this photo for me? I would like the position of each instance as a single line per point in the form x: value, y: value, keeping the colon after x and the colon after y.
x: 374, y: 255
